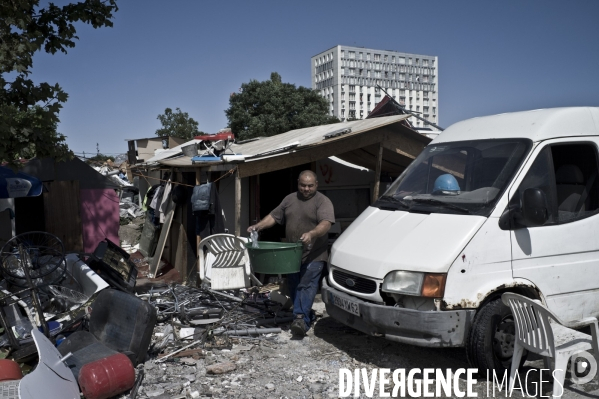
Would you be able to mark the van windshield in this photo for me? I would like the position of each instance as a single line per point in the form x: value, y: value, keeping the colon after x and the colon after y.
x: 462, y: 177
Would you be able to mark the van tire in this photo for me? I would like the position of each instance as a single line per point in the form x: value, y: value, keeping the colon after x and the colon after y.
x: 489, y: 345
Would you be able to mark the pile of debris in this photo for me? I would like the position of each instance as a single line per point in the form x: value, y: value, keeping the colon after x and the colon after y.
x: 88, y: 316
x: 116, y: 174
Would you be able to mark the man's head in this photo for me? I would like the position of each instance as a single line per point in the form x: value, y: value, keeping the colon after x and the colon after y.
x: 307, y: 184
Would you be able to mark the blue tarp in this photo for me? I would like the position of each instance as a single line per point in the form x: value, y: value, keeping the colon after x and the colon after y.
x: 14, y: 185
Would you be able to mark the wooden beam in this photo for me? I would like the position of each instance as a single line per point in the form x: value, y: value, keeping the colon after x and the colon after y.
x: 237, y: 204
x: 198, y: 182
x: 377, y: 173
x: 164, y: 234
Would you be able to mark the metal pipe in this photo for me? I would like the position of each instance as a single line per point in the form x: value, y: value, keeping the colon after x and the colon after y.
x: 248, y: 331
x: 231, y: 297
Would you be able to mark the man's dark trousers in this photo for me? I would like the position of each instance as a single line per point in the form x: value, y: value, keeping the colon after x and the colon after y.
x: 304, y: 287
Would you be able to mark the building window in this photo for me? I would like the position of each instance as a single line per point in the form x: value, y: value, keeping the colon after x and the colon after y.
x: 352, y: 55
x: 367, y: 56
x: 342, y: 53
x: 377, y: 57
x: 410, y: 61
x: 386, y: 58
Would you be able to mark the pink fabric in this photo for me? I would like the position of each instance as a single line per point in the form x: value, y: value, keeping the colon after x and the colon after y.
x: 99, y: 217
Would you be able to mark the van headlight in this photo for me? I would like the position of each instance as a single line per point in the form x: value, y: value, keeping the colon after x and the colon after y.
x: 431, y: 285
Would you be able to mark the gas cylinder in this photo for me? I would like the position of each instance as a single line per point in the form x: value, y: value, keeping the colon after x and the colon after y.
x: 10, y: 370
x: 107, y: 377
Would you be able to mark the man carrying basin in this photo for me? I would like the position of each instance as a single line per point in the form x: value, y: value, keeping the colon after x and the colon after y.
x: 307, y: 216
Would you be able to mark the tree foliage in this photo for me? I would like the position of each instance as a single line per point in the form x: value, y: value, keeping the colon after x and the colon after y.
x: 272, y: 107
x: 29, y: 111
x: 177, y: 124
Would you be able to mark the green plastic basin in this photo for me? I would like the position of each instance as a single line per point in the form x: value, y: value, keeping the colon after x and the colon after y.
x: 276, y: 257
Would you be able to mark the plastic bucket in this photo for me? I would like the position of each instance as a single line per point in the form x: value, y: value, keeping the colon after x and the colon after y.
x: 190, y: 150
x: 276, y: 257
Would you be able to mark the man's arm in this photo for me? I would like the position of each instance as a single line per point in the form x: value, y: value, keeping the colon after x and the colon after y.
x: 265, y: 223
x: 321, y: 229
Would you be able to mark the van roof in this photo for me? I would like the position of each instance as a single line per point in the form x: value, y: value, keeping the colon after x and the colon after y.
x: 537, y: 125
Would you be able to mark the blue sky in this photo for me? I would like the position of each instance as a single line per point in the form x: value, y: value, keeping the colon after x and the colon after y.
x: 494, y: 57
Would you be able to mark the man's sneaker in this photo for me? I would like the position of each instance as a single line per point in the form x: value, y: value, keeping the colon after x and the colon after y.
x: 298, y: 327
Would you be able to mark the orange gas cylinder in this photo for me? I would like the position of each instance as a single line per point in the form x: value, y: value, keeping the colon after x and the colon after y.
x: 107, y: 377
x: 10, y: 370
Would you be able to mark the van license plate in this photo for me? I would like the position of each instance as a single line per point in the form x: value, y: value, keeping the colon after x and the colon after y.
x: 346, y: 304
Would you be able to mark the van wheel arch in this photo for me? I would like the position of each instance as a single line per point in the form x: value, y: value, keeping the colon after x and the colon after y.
x: 527, y: 291
x: 489, y: 343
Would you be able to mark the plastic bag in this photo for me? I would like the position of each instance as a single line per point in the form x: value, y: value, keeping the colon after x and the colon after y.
x: 22, y: 328
x: 254, y: 238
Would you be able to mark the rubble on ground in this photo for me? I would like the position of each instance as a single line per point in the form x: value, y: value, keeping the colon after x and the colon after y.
x: 130, y: 233
x: 205, y: 343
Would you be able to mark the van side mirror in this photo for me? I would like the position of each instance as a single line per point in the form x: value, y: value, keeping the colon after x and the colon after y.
x: 534, y: 207
x: 533, y: 212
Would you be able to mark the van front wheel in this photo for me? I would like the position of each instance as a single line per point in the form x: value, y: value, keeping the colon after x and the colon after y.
x: 490, y: 343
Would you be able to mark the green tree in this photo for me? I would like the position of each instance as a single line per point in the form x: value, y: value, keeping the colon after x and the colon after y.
x: 177, y: 124
x: 272, y: 107
x: 29, y: 111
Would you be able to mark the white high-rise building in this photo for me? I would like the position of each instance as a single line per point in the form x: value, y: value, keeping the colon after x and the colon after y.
x: 347, y: 77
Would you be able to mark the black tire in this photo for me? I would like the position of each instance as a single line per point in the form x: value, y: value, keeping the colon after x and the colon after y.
x: 490, y: 343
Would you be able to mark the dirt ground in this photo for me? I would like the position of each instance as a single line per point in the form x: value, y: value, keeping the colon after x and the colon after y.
x: 282, y: 366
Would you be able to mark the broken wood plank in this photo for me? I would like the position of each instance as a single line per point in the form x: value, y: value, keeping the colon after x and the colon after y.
x: 166, y: 227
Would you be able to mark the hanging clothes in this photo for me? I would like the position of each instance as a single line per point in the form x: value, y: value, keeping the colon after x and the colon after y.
x: 157, y: 197
x: 149, y: 196
x: 155, y: 205
x: 201, y: 198
x: 166, y: 200
x: 207, y: 210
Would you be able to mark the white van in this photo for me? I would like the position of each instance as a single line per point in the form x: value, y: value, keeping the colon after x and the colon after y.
x: 505, y: 203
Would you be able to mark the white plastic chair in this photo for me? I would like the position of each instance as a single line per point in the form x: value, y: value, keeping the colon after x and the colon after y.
x: 224, y: 261
x: 550, y: 339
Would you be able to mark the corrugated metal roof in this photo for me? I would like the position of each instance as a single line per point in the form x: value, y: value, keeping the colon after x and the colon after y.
x: 312, y: 135
x: 297, y: 139
x: 171, y: 152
